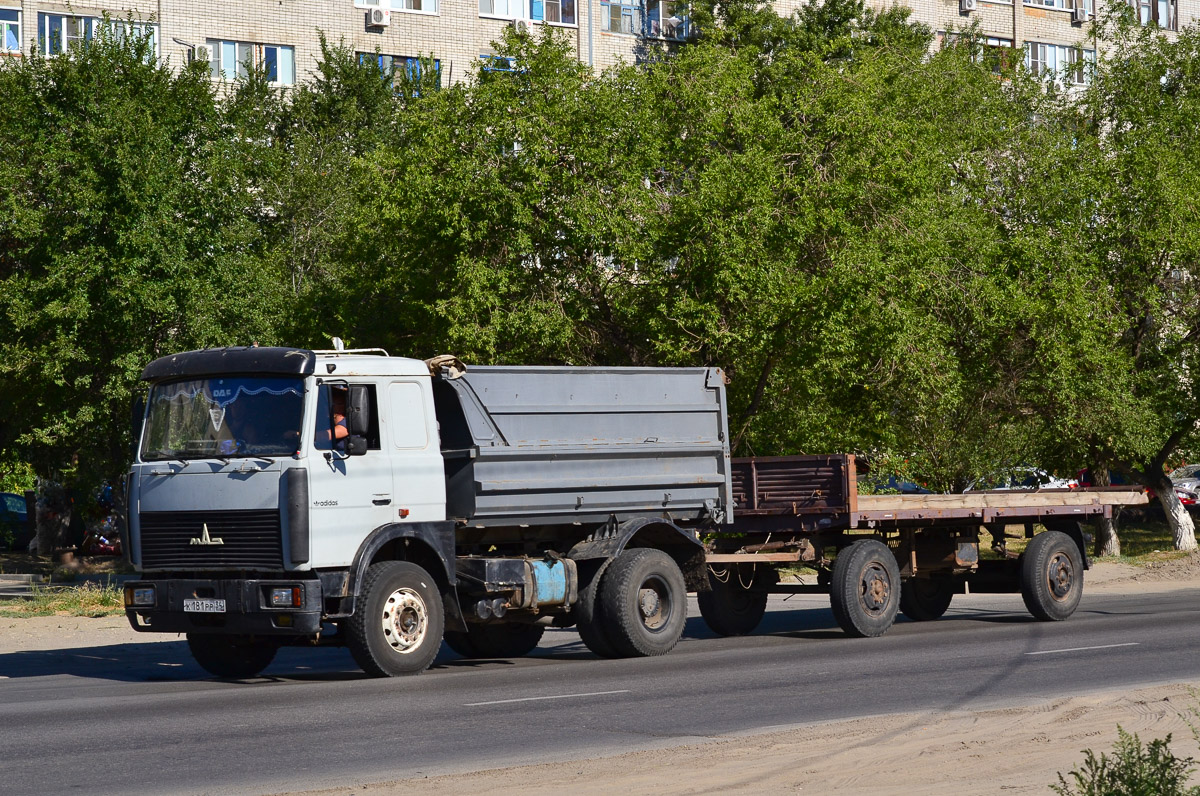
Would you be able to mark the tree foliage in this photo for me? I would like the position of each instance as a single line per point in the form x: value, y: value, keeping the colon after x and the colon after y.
x: 914, y: 253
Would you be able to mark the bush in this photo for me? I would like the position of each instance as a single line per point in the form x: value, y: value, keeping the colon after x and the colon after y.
x: 1133, y: 770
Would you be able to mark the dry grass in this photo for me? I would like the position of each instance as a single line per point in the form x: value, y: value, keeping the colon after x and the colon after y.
x: 89, y: 599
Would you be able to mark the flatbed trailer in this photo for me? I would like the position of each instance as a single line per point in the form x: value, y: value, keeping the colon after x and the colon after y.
x: 879, y: 555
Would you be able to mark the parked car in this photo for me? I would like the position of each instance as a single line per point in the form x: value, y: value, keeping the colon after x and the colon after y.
x: 1022, y: 478
x: 894, y: 486
x: 1186, y: 477
x: 15, y: 521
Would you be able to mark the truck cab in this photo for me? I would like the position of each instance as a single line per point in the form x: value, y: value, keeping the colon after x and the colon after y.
x: 243, y: 495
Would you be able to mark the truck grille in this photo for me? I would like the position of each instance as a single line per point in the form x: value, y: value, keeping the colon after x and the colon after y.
x: 249, y: 539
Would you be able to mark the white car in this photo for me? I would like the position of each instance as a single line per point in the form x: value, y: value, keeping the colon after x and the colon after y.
x: 1022, y: 478
x: 1186, y: 477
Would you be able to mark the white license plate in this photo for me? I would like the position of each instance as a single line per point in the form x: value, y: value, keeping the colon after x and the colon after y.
x: 204, y: 606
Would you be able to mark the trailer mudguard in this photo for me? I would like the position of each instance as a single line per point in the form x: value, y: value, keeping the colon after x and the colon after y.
x: 680, y: 543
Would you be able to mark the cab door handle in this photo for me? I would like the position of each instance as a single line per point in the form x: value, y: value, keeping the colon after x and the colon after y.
x: 381, y: 501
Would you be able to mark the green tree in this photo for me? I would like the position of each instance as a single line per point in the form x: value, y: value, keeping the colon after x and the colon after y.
x: 1113, y: 207
x: 127, y: 231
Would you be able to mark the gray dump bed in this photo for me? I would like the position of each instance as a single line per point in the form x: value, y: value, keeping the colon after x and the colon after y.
x: 549, y: 445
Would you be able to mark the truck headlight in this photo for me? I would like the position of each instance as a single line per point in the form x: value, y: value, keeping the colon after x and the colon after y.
x: 140, y: 596
x: 285, y: 597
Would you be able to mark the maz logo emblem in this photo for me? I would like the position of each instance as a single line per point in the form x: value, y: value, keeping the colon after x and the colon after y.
x: 204, y: 538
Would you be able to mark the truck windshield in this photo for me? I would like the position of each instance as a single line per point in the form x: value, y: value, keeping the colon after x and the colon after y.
x: 222, y: 417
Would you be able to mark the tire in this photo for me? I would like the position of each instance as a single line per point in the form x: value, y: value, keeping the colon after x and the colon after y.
x: 500, y: 640
x: 923, y: 599
x: 590, y: 622
x: 643, y: 601
x: 396, y: 628
x: 865, y: 589
x: 1051, y: 576
x: 229, y: 656
x: 729, y: 608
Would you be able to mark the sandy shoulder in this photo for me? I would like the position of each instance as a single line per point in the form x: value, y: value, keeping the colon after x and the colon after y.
x: 1013, y: 750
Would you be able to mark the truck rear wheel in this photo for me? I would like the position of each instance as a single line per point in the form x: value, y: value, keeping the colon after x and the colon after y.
x: 396, y: 628
x: 731, y: 607
x: 865, y: 590
x: 644, y: 602
x: 229, y: 656
x: 1051, y: 576
x: 922, y: 599
x: 500, y: 640
x: 590, y: 623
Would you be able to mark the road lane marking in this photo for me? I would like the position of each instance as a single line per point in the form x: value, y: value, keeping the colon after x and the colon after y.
x: 1081, y: 649
x: 537, y: 698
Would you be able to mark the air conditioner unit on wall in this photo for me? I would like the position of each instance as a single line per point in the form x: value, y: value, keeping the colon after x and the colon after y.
x: 520, y: 26
x: 379, y: 17
x: 202, y: 52
x: 1081, y: 13
x: 967, y: 5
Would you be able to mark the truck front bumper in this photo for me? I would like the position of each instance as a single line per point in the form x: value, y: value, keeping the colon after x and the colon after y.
x: 237, y: 606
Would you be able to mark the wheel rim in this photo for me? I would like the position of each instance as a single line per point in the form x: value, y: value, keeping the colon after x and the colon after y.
x: 405, y: 620
x: 1060, y: 574
x: 654, y: 604
x: 876, y: 589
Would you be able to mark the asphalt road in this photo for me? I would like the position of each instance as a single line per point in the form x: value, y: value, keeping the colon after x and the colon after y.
x: 141, y: 717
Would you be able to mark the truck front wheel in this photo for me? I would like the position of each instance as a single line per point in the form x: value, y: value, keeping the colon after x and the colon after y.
x: 644, y: 602
x: 396, y: 628
x: 865, y: 590
x: 229, y: 656
x: 1051, y: 576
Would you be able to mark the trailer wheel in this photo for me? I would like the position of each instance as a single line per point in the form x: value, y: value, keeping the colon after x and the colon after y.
x: 922, y: 599
x: 397, y: 627
x: 729, y: 607
x: 229, y: 656
x: 865, y: 590
x: 500, y: 640
x: 1051, y: 576
x: 644, y: 602
x: 590, y: 621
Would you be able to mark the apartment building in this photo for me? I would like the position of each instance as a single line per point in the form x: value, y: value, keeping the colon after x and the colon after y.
x: 282, y: 35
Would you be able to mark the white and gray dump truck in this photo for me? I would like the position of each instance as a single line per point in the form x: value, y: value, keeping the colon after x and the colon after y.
x: 480, y: 506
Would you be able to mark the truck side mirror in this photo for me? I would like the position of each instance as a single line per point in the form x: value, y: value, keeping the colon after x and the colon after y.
x: 358, y: 409
x: 356, y: 445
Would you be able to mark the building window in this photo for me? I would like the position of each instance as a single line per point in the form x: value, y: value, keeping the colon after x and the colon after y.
x: 498, y: 63
x: 122, y: 29
x: 1163, y: 13
x: 393, y: 66
x: 558, y: 11
x: 509, y: 9
x: 58, y: 33
x: 1065, y: 5
x: 621, y: 17
x: 424, y: 6
x: 10, y: 30
x: 229, y: 60
x: 665, y: 20
x: 1068, y: 64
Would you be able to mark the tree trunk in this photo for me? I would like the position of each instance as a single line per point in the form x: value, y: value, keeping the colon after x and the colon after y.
x: 1182, y: 527
x: 1107, y: 541
x: 53, y: 517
